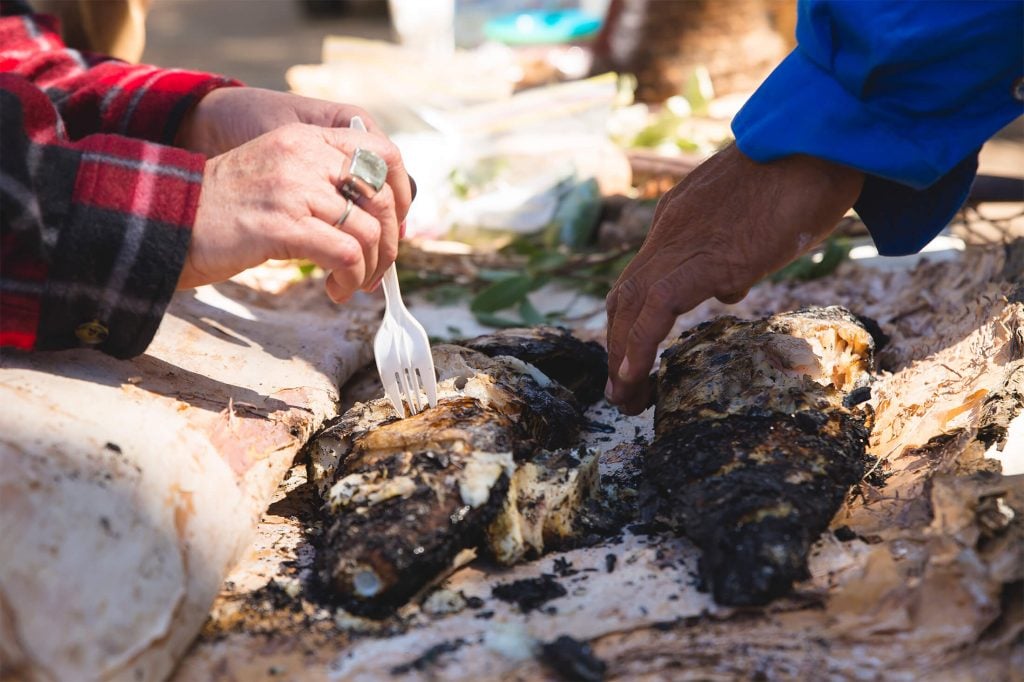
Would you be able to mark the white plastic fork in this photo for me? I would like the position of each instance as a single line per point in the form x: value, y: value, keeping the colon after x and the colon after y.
x: 402, y: 350
x: 401, y: 347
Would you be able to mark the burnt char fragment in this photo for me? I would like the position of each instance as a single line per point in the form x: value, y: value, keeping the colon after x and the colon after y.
x: 1001, y: 407
x: 429, y: 657
x: 273, y: 597
x: 563, y: 568
x: 580, y: 366
x: 857, y: 396
x: 573, y: 660
x: 530, y: 593
x: 880, y: 338
x: 844, y: 534
x: 755, y: 448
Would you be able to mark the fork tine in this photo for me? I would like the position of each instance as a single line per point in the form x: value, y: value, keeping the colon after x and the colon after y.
x: 429, y: 387
x: 386, y: 362
x: 406, y: 391
x: 414, y: 382
x: 424, y: 367
x: 421, y: 360
x: 393, y: 391
x: 414, y: 390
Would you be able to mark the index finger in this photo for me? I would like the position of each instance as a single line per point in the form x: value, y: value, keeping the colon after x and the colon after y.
x: 622, y: 305
x: 638, y: 331
x: 635, y: 265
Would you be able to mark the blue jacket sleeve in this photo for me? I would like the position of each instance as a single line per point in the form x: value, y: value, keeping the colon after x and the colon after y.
x: 905, y: 91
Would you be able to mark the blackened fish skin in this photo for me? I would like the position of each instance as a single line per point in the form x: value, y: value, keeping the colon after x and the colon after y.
x: 754, y: 450
x: 405, y: 496
x: 376, y: 553
x: 580, y: 366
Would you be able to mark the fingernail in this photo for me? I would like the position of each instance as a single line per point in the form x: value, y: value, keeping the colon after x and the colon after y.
x: 401, y: 230
x: 376, y: 285
x: 624, y: 369
x: 608, y: 391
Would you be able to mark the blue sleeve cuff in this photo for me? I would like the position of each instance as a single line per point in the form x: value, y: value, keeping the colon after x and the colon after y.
x: 919, y: 169
x: 901, y: 219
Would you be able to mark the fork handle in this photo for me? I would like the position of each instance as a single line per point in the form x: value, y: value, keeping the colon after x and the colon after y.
x: 392, y: 292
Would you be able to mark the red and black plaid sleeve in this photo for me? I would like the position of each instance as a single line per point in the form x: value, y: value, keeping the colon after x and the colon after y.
x: 96, y: 93
x: 96, y: 215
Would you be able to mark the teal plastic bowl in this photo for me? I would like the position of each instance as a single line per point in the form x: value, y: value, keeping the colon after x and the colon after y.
x: 543, y: 28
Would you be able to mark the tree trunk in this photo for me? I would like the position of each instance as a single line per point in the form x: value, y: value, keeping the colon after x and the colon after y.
x: 663, y: 41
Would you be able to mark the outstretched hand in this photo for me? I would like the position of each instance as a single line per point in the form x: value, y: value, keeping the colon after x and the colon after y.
x: 717, y: 233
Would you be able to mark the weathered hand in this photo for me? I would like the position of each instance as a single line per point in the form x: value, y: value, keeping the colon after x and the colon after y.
x: 725, y: 226
x: 276, y: 197
x: 229, y: 117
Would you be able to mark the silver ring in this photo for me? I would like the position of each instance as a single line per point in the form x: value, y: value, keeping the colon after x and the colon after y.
x: 369, y: 168
x: 344, y: 214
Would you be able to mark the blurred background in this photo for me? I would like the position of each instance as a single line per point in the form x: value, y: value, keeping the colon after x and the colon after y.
x: 255, y: 41
x: 540, y: 132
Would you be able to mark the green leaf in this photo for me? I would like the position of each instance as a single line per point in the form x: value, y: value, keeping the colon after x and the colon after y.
x: 446, y: 294
x: 578, y: 214
x: 491, y: 275
x: 306, y: 269
x: 834, y: 252
x: 687, y: 145
x: 523, y: 246
x: 545, y: 261
x: 662, y: 128
x: 530, y: 315
x: 412, y: 280
x: 699, y: 90
x: 554, y: 315
x: 502, y: 294
x: 459, y: 182
x: 496, y: 320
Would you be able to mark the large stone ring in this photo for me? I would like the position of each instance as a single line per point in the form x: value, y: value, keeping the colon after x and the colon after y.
x: 368, y: 169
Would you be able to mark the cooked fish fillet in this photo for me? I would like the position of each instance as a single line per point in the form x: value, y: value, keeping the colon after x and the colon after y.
x: 543, y: 505
x: 757, y: 442
x: 405, y: 496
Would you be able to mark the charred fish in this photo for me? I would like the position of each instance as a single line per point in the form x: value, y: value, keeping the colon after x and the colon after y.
x: 492, y: 467
x: 757, y: 442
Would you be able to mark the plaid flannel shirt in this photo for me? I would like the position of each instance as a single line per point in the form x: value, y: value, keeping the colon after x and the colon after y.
x: 96, y: 208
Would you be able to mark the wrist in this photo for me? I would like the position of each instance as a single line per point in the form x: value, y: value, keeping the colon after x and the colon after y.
x: 842, y: 184
x: 790, y: 205
x: 197, y: 131
x: 194, y: 270
x: 832, y: 183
